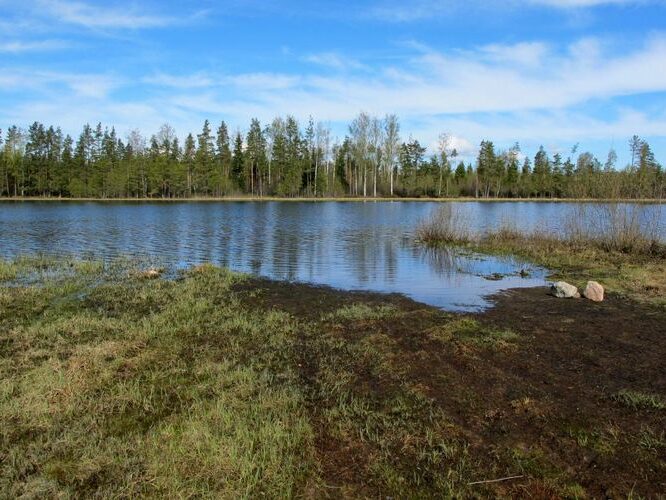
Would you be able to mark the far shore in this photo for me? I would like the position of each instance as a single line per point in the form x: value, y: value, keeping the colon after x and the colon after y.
x: 329, y: 199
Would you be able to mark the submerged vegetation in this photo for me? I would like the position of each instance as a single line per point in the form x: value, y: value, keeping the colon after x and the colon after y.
x: 214, y: 384
x: 615, y: 244
x: 281, y: 159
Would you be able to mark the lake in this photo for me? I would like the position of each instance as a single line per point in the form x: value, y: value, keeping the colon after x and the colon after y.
x: 346, y: 245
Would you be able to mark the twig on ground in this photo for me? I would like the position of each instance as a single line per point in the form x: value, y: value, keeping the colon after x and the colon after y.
x: 495, y: 480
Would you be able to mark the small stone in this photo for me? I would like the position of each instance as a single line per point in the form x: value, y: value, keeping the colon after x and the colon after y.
x: 151, y: 274
x: 594, y: 291
x: 563, y: 290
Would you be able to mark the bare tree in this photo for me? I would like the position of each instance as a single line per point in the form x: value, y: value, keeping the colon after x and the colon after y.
x: 376, y: 139
x: 359, y: 131
x: 322, y: 146
x: 391, y: 145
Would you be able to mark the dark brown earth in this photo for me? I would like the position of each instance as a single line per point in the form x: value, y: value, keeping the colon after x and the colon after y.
x: 546, y: 402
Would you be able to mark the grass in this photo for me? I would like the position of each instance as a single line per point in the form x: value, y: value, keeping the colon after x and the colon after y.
x: 652, y: 441
x: 112, y: 385
x: 101, y: 393
x: 362, y: 312
x: 469, y: 331
x: 620, y: 252
x: 639, y: 400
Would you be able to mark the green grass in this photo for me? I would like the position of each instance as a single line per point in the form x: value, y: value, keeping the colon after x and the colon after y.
x: 113, y: 385
x: 652, y: 441
x: 129, y: 387
x: 469, y: 331
x: 639, y: 400
x: 362, y: 312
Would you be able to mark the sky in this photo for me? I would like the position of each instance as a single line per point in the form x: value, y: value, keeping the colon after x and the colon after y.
x: 539, y: 72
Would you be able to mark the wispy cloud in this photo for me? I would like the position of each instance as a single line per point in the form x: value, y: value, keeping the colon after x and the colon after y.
x: 103, y: 17
x: 196, y: 80
x: 572, y: 4
x: 50, y: 83
x: 18, y: 46
x: 335, y: 61
x: 419, y: 10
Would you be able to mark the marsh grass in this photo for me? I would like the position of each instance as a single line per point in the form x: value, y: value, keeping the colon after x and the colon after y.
x: 616, y: 227
x: 447, y: 224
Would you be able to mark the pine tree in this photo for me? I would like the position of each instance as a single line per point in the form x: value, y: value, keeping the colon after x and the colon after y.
x: 204, y: 161
x: 222, y: 161
x: 189, y: 152
x: 238, y: 161
x: 255, y: 158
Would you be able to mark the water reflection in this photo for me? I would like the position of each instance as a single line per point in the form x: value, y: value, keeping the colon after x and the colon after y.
x: 359, y: 246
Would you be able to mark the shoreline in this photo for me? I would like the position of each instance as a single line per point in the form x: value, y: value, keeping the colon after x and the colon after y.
x: 646, y: 201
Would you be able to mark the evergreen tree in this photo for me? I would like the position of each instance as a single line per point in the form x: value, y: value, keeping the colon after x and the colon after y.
x: 189, y: 153
x: 203, y: 162
x: 238, y: 161
x: 255, y: 159
x: 222, y: 174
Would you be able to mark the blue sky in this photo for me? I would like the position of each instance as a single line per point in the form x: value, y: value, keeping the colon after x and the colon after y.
x: 551, y: 72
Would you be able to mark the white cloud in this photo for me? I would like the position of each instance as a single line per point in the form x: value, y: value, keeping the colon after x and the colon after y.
x: 525, y: 54
x: 530, y: 91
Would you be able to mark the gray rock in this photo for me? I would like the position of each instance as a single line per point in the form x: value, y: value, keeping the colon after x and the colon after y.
x: 563, y: 290
x: 594, y: 292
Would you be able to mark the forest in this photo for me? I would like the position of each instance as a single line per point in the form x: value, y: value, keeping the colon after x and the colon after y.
x: 284, y: 159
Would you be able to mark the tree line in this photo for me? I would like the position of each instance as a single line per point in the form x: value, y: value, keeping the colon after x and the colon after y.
x: 284, y: 159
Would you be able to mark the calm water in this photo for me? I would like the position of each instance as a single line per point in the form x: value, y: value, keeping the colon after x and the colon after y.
x: 356, y: 246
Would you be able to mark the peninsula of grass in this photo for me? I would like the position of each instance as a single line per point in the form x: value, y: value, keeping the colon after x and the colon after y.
x: 613, y: 249
x: 217, y: 385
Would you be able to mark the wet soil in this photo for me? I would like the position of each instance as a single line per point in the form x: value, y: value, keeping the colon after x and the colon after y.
x: 547, y: 402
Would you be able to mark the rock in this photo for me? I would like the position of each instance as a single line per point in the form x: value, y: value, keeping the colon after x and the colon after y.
x: 594, y: 292
x: 563, y: 290
x: 151, y: 274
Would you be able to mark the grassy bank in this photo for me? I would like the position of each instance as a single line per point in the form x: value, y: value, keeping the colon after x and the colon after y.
x: 216, y: 385
x: 615, y: 246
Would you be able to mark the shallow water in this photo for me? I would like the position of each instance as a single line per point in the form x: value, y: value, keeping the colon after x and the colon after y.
x: 355, y: 246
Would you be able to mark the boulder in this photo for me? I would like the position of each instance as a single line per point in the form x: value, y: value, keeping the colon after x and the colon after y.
x: 563, y: 290
x: 594, y: 292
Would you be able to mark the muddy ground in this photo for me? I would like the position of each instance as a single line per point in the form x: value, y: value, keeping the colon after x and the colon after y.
x: 544, y: 406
